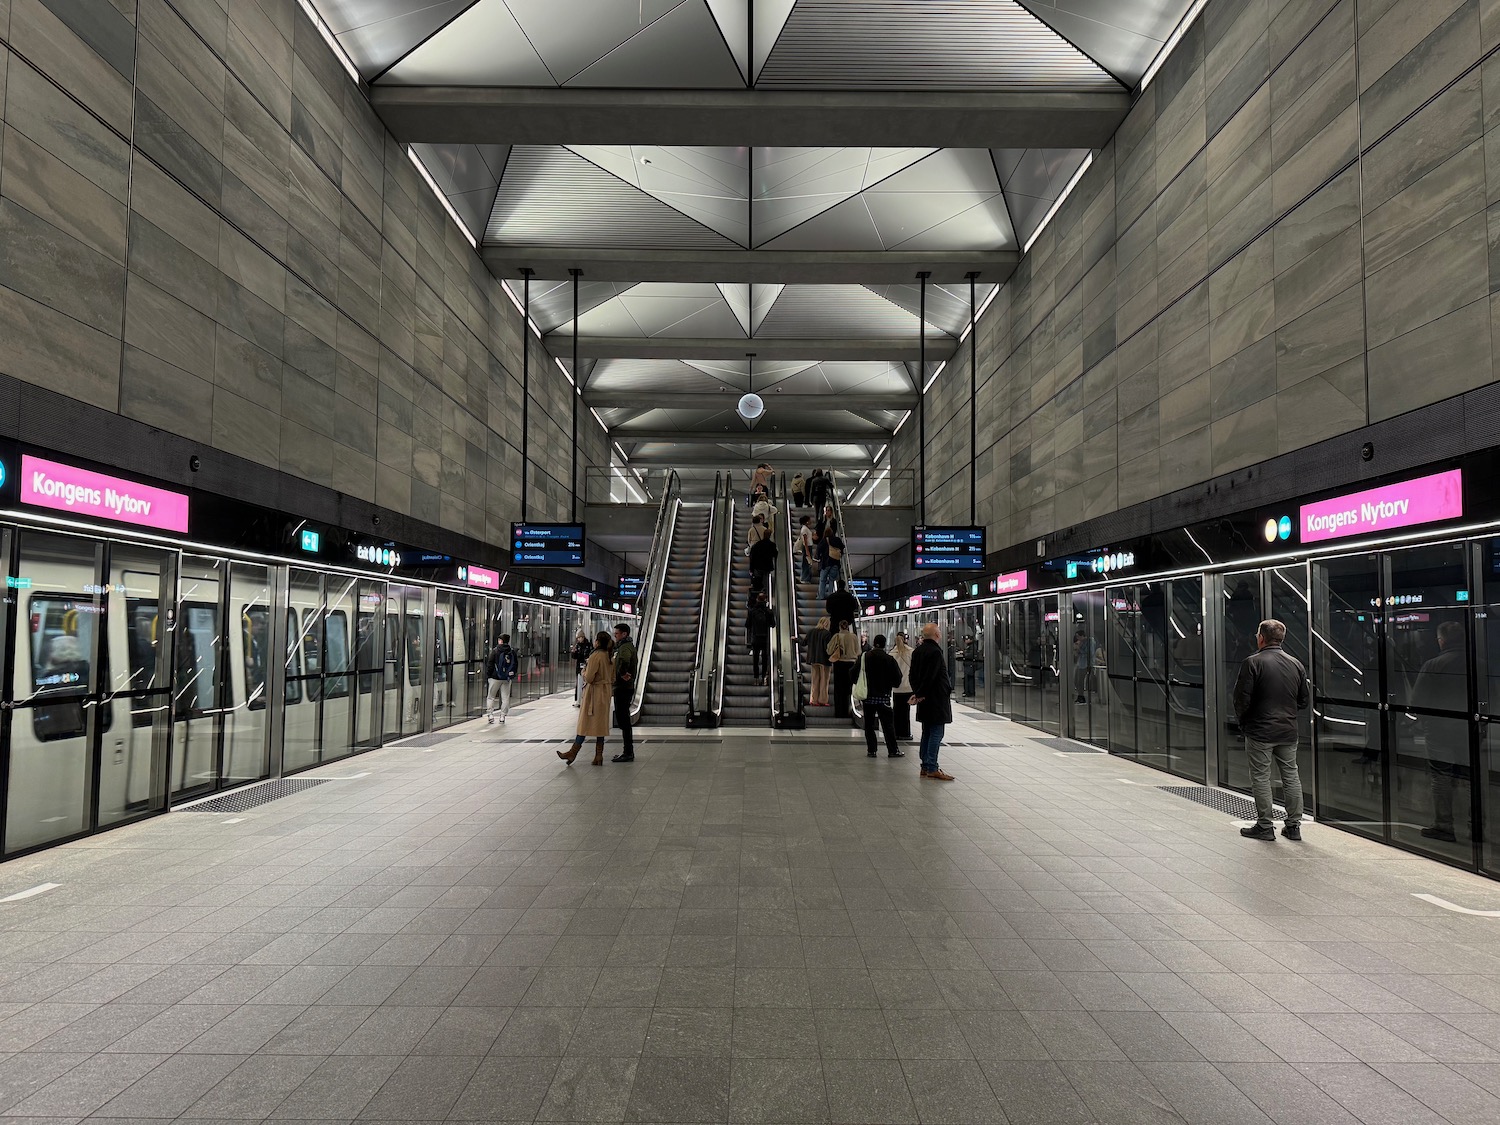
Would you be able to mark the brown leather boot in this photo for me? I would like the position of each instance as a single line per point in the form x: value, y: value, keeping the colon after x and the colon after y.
x: 599, y: 752
x: 571, y: 753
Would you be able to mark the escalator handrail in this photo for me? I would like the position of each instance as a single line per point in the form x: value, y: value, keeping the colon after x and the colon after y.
x: 720, y: 641
x: 654, y: 588
x: 786, y: 667
x: 845, y: 571
x: 708, y: 682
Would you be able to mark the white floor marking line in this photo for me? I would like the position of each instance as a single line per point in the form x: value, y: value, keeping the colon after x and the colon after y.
x: 39, y: 889
x: 232, y: 820
x: 1446, y: 905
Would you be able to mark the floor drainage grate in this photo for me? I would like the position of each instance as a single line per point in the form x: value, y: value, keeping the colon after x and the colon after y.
x: 1068, y: 746
x: 1236, y: 806
x: 253, y: 795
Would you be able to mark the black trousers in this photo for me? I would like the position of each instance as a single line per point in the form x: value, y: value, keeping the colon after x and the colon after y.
x: 881, y: 713
x: 901, y: 705
x: 843, y: 684
x: 622, y: 720
x: 758, y: 648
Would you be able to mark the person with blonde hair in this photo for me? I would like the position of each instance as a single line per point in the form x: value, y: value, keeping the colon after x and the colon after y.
x: 817, y: 656
x: 598, y: 689
x: 901, y: 698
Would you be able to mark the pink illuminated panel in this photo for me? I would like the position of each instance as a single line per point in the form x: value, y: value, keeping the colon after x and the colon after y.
x: 482, y: 579
x: 1412, y: 502
x: 1012, y: 583
x: 80, y: 492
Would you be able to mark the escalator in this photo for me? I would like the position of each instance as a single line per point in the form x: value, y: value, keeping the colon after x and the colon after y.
x: 746, y: 702
x: 674, y: 636
x: 810, y: 610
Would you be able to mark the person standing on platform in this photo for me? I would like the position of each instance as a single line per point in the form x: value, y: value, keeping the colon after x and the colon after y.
x: 758, y: 625
x: 1269, y: 691
x: 881, y: 674
x: 598, y: 687
x: 499, y: 671
x: 624, y: 691
x: 582, y: 650
x: 901, y: 696
x: 817, y: 656
x: 843, y: 651
x: 932, y: 692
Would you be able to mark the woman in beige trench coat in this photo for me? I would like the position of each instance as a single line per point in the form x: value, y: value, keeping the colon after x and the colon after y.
x: 598, y: 691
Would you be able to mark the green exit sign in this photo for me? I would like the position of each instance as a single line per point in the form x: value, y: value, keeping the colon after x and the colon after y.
x: 310, y: 540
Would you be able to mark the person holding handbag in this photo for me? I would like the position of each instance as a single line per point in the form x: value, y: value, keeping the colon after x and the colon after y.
x: 830, y: 556
x: 598, y: 688
x: 817, y: 657
x: 843, y: 651
x: 876, y: 679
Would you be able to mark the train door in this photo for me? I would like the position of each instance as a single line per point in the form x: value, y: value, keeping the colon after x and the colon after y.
x: 393, y: 663
x: 337, y: 689
x: 416, y: 658
x: 1085, y: 684
x: 369, y: 661
x: 443, y: 623
x: 468, y: 655
x: 998, y: 645
x: 966, y: 645
x: 199, y: 685
x: 247, y: 718
x: 304, y: 666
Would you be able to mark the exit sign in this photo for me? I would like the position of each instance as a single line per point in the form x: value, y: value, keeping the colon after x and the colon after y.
x: 310, y: 542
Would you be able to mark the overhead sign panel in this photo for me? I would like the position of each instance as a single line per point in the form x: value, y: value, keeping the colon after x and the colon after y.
x: 630, y: 585
x: 1408, y: 504
x: 947, y: 548
x: 546, y: 544
x: 80, y: 492
x: 865, y: 589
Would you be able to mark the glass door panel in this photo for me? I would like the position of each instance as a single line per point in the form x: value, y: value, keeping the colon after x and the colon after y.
x: 1122, y: 627
x: 967, y: 644
x: 415, y: 683
x: 1088, y: 668
x: 394, y: 663
x: 1286, y: 592
x: 199, y: 685
x: 304, y: 665
x: 1239, y: 620
x: 442, y: 660
x: 57, y: 675
x: 339, y: 622
x: 369, y: 658
x: 1186, y: 732
x: 246, y: 722
x: 1152, y: 648
x: 1348, y: 695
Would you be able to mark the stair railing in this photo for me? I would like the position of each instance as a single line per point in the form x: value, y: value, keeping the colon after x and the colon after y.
x: 707, y: 698
x: 653, y: 586
x: 786, y: 642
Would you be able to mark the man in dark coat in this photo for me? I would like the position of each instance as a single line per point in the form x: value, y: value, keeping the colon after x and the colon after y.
x: 932, y: 692
x: 841, y: 604
x: 758, y: 626
x: 1269, y: 691
x: 762, y: 562
x: 882, y: 676
x: 624, y: 691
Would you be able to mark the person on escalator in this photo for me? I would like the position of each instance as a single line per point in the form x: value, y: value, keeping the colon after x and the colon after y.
x: 817, y: 659
x: 830, y: 556
x: 819, y: 485
x: 758, y: 626
x: 841, y: 604
x: 799, y: 491
x: 843, y: 651
x: 757, y: 532
x: 760, y: 481
x: 766, y: 511
x: 807, y: 541
x: 762, y: 563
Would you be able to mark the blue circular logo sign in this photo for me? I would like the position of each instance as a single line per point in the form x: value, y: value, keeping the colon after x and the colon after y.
x: 1284, y: 527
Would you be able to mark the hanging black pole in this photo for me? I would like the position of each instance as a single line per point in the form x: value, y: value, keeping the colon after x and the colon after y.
x: 526, y: 272
x: 577, y: 391
x: 973, y: 404
x: 922, y: 396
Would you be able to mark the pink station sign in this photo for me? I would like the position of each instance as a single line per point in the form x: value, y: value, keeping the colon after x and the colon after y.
x: 80, y: 492
x: 1423, y: 500
x: 482, y: 578
x: 1012, y: 583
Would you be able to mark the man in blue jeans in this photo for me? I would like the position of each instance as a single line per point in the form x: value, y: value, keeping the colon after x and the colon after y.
x: 932, y: 692
x: 1269, y: 691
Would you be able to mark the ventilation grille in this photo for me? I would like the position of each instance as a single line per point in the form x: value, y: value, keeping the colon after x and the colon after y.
x: 1242, y: 808
x: 253, y: 795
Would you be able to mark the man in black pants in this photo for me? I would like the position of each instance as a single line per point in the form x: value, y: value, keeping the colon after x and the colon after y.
x: 758, y: 626
x: 624, y: 691
x: 882, y: 676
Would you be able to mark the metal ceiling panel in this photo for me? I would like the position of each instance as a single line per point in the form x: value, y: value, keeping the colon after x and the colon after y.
x: 651, y: 376
x: 554, y: 197
x: 769, y: 17
x: 837, y: 312
x: 375, y: 33
x: 762, y: 297
x: 570, y: 35
x: 925, y: 44
x: 836, y: 377
x: 483, y: 47
x: 736, y: 372
x: 684, y: 49
x: 847, y: 226
x: 737, y: 297
x: 708, y: 184
x: 659, y: 309
x: 791, y: 185
x: 468, y: 176
x: 552, y: 301
x: 733, y: 18
x: 1121, y: 35
x: 1034, y: 182
x: 983, y: 224
x: 947, y: 305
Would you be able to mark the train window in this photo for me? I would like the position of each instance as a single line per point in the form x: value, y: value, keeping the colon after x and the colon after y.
x: 141, y: 642
x: 197, y: 657
x: 62, y: 636
x: 365, y: 651
x: 336, y: 653
x: 312, y: 651
x: 392, y: 650
x: 293, y: 660
x: 413, y: 648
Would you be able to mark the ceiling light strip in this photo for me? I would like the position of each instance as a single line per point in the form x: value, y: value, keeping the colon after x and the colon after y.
x: 1172, y: 40
x: 520, y: 308
x: 1058, y: 202
x: 881, y: 454
x: 416, y: 160
x: 904, y: 418
x: 332, y: 40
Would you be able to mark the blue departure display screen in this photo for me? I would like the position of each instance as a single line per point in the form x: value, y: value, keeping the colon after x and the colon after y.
x: 630, y: 586
x: 865, y: 589
x: 947, y: 548
x: 546, y: 544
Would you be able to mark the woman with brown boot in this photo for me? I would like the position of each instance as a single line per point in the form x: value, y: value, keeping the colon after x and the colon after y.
x: 598, y: 689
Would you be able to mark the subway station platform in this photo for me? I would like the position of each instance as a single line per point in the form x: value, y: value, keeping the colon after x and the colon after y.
x: 741, y: 928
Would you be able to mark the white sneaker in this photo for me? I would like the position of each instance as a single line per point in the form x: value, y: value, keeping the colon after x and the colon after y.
x: 490, y: 719
x: 502, y: 718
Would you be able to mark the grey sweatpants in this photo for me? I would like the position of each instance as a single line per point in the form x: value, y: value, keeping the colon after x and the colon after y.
x: 1261, y: 755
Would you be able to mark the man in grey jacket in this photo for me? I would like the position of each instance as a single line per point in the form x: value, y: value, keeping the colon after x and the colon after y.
x: 1270, y: 690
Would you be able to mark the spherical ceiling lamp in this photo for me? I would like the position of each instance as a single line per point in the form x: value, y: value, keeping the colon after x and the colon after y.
x: 751, y: 406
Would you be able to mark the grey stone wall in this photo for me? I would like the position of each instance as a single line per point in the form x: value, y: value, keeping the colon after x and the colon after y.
x: 1292, y: 236
x: 204, y: 228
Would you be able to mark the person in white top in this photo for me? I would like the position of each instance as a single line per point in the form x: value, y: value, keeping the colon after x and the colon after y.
x: 806, y: 540
x: 901, y: 697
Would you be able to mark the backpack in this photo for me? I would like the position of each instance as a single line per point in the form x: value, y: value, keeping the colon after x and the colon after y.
x: 502, y: 664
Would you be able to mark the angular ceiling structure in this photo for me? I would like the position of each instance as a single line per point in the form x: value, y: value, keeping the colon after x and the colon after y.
x: 693, y: 254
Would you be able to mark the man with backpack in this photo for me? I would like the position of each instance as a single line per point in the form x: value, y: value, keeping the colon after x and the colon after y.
x: 499, y: 671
